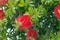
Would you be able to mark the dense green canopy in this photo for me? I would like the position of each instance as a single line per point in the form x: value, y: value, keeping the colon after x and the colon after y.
x: 43, y: 18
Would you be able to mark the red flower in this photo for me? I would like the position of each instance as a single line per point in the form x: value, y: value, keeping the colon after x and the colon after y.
x: 2, y: 15
x: 3, y: 2
x: 57, y: 11
x: 26, y: 22
x: 26, y: 25
x: 24, y: 18
x: 32, y: 34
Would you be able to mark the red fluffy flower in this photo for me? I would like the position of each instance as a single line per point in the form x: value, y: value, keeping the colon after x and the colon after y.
x: 2, y: 15
x: 32, y: 35
x: 25, y: 21
x: 57, y: 11
x: 26, y: 25
x: 3, y: 2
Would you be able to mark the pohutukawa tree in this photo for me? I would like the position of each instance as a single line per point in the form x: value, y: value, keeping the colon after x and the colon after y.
x: 29, y: 19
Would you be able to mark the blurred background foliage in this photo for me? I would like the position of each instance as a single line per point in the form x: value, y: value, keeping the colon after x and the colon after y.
x: 42, y: 12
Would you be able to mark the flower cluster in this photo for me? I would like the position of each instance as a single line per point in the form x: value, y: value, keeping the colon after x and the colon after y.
x: 3, y: 2
x: 57, y: 11
x: 26, y: 23
x: 2, y: 14
x: 32, y: 35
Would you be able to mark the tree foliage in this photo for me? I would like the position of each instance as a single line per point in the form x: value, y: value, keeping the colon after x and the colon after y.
x: 43, y: 18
